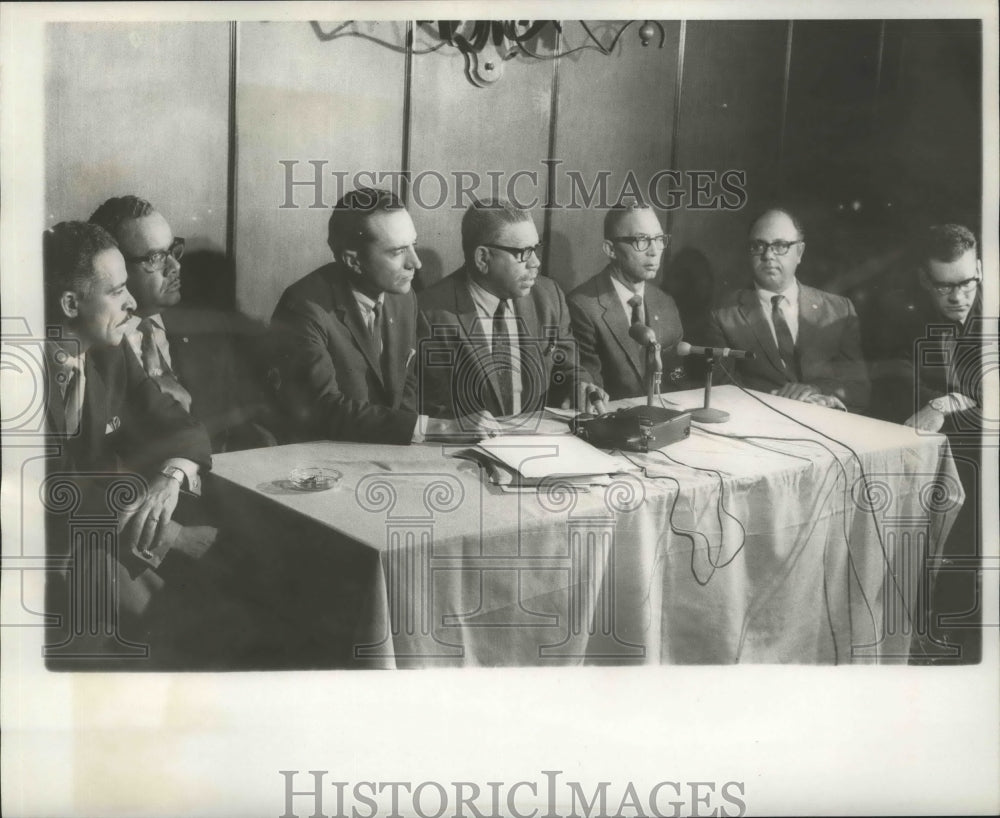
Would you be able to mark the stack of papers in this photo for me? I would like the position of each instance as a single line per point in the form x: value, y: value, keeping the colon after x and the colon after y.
x: 517, y: 462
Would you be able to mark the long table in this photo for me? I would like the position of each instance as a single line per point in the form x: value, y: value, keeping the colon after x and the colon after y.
x: 790, y: 534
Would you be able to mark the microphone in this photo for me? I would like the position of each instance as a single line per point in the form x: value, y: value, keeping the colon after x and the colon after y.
x: 684, y: 348
x: 642, y: 334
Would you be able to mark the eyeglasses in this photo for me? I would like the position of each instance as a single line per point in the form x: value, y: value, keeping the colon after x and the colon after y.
x: 962, y: 287
x: 157, y: 259
x: 521, y: 254
x: 642, y: 243
x: 780, y: 248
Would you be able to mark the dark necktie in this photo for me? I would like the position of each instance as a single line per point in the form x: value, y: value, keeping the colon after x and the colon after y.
x: 157, y: 369
x: 786, y: 346
x: 635, y: 302
x: 502, y: 359
x: 377, y: 330
x: 73, y: 399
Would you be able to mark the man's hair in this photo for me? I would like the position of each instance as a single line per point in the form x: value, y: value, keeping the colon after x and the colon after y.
x: 119, y: 209
x: 348, y: 225
x: 68, y: 252
x: 945, y: 242
x: 484, y: 219
x: 617, y: 214
x: 779, y: 208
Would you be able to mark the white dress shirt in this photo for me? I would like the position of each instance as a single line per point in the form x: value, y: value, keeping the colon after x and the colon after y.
x: 789, y: 308
x: 486, y: 306
x: 624, y: 294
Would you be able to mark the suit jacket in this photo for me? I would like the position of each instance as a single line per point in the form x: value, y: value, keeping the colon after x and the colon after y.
x: 456, y: 373
x: 331, y: 382
x: 600, y: 326
x: 220, y: 357
x: 127, y: 422
x: 828, y: 346
x: 913, y: 361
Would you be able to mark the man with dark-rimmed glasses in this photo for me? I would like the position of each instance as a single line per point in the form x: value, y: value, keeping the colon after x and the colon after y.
x: 624, y: 293
x: 495, y: 334
x: 202, y: 357
x: 806, y: 342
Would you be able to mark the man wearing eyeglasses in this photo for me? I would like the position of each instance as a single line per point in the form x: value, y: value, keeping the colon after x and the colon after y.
x: 622, y: 294
x: 499, y: 332
x: 928, y: 372
x: 806, y: 342
x: 201, y: 357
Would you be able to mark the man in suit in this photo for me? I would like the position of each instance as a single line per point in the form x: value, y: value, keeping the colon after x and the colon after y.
x: 346, y: 333
x: 108, y: 416
x: 203, y: 358
x: 806, y: 342
x: 622, y: 294
x: 927, y: 370
x: 497, y: 335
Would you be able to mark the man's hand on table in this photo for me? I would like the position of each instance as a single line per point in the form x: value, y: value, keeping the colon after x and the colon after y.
x: 587, y: 396
x: 796, y: 391
x: 927, y: 419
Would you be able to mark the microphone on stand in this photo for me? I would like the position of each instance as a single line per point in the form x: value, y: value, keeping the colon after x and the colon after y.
x: 707, y: 414
x: 684, y: 348
x: 645, y: 336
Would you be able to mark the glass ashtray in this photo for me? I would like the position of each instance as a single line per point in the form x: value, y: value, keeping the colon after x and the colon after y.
x: 314, y: 478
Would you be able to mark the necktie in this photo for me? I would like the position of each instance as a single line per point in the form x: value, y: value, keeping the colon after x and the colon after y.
x: 157, y: 368
x: 73, y: 398
x: 376, y: 329
x: 786, y: 346
x: 635, y: 302
x: 502, y: 359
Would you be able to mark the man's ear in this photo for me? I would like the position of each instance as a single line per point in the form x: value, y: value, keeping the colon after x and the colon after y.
x: 349, y: 258
x: 801, y: 250
x: 608, y: 247
x: 70, y: 304
x: 979, y: 268
x: 481, y: 259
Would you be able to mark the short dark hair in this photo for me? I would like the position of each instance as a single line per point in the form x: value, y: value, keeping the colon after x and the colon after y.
x: 347, y: 228
x: 119, y: 209
x: 945, y: 242
x: 483, y: 219
x: 68, y: 251
x: 779, y: 208
x: 617, y: 214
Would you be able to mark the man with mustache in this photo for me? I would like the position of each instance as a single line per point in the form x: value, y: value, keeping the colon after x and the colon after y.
x: 346, y: 333
x: 107, y: 416
x: 807, y: 342
x: 498, y: 334
x: 622, y: 294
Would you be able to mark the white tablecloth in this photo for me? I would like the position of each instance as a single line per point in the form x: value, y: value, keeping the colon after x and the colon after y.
x: 786, y: 546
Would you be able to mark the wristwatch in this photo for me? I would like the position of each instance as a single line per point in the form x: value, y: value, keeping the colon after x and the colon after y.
x: 174, y: 473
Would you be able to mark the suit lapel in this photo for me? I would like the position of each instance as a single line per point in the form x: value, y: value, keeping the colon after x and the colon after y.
x: 349, y: 314
x: 617, y: 323
x: 809, y: 309
x: 95, y: 414
x: 752, y: 313
x: 529, y: 345
x: 392, y: 348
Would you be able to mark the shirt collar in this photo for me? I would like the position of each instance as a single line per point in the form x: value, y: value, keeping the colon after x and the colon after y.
x: 791, y: 292
x: 484, y: 299
x: 625, y: 293
x: 62, y: 361
x: 367, y: 303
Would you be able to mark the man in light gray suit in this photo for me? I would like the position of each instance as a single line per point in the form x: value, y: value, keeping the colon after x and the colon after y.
x: 807, y: 343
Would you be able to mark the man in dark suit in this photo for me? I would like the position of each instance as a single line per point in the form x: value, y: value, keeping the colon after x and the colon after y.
x: 622, y: 294
x: 928, y: 357
x: 107, y: 416
x: 928, y: 374
x: 807, y: 343
x: 495, y: 336
x: 346, y: 333
x: 204, y: 358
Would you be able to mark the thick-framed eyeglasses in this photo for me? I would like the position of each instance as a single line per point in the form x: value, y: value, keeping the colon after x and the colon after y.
x: 642, y: 243
x: 157, y: 259
x: 963, y: 287
x: 521, y: 254
x: 780, y: 247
